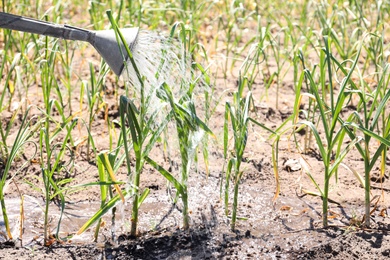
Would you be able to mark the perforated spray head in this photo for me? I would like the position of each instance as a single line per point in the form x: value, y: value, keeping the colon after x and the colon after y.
x: 113, y: 51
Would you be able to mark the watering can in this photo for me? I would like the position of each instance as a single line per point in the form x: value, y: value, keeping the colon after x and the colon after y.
x: 104, y: 41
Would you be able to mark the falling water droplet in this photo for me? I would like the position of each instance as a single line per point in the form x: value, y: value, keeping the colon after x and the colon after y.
x: 158, y: 60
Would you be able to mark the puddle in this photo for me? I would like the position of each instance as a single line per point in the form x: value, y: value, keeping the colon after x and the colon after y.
x: 270, y: 230
x: 74, y: 217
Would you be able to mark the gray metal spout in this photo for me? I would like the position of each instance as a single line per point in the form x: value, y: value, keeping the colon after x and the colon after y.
x: 105, y: 42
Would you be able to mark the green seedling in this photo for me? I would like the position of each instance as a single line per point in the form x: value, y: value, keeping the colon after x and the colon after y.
x: 24, y: 134
x: 329, y: 117
x: 53, y: 166
x: 368, y: 123
x: 140, y: 122
x: 94, y: 92
x: 238, y: 112
x: 108, y: 164
x: 188, y: 125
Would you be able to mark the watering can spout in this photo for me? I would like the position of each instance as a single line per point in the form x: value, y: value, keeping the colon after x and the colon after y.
x: 112, y: 51
x: 105, y: 41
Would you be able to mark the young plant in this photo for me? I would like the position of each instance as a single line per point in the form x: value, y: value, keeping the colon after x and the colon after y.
x: 188, y: 127
x: 24, y: 134
x: 108, y: 163
x: 238, y: 112
x: 368, y: 123
x: 144, y: 135
x: 141, y: 122
x: 52, y: 155
x: 329, y: 117
x: 53, y: 165
x: 95, y: 100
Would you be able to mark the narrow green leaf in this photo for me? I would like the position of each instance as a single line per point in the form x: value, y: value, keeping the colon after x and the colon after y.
x: 370, y: 133
x: 166, y: 174
x: 315, y: 91
x: 143, y: 196
x: 341, y: 156
x: 318, y: 140
x: 379, y: 110
x: 226, y: 131
x: 101, y: 212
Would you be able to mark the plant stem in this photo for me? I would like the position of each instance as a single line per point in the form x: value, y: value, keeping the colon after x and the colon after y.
x: 134, y: 214
x: 184, y: 197
x: 325, y: 200
x: 235, y: 205
x: 367, y: 186
x: 5, y: 216
x: 47, y: 200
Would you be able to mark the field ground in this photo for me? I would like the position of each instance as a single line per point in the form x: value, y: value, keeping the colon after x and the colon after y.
x: 289, y: 227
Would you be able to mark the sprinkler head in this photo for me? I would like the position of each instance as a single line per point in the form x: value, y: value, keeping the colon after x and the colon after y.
x: 112, y: 51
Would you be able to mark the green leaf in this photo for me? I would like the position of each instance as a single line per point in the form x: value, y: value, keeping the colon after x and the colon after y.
x: 226, y: 130
x: 169, y: 177
x: 315, y: 91
x: 379, y: 110
x: 318, y: 140
x: 101, y: 212
x: 342, y: 155
x: 143, y: 196
x: 156, y: 134
x: 370, y: 133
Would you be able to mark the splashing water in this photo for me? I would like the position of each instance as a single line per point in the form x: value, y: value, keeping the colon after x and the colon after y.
x: 158, y: 60
x: 162, y: 59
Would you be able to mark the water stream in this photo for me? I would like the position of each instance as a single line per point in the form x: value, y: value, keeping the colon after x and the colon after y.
x: 159, y: 59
